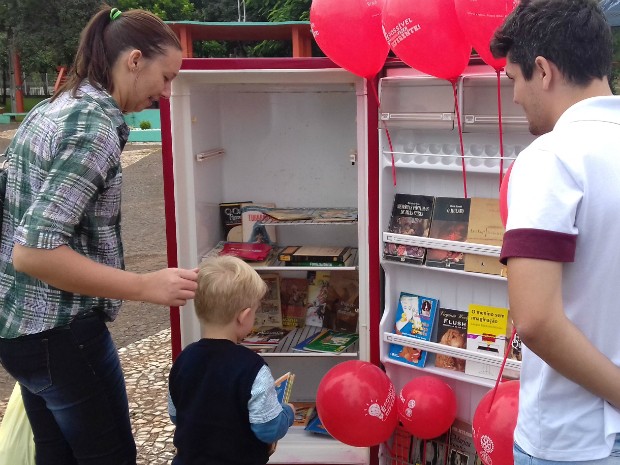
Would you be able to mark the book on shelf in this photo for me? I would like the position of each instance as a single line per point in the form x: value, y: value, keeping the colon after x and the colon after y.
x: 246, y: 251
x: 462, y: 449
x: 331, y: 341
x: 451, y: 331
x: 265, y: 336
x: 350, y: 260
x: 284, y: 386
x: 269, y: 313
x: 290, y: 214
x: 318, y: 286
x: 486, y: 333
x: 314, y: 424
x: 252, y: 216
x: 334, y: 215
x: 415, y: 318
x: 311, y: 253
x: 513, y: 349
x: 411, y: 216
x: 294, y: 300
x: 401, y: 447
x: 301, y: 346
x: 450, y: 220
x: 302, y: 413
x: 342, y: 309
x: 430, y: 451
x: 269, y: 260
x: 230, y: 215
x: 485, y: 227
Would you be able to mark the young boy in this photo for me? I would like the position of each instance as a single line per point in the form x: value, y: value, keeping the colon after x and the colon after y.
x: 223, y: 399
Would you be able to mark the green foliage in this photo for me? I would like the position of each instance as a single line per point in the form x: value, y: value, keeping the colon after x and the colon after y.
x: 168, y: 10
x: 145, y: 125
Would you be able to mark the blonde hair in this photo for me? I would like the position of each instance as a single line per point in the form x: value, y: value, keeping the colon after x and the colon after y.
x: 226, y: 285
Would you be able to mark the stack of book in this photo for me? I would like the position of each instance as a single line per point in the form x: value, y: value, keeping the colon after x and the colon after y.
x: 307, y: 255
x: 327, y: 341
x: 265, y: 337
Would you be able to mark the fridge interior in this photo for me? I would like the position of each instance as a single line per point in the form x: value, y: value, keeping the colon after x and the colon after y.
x: 420, y: 116
x: 294, y: 137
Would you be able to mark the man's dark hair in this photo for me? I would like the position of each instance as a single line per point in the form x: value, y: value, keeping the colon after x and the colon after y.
x: 572, y: 34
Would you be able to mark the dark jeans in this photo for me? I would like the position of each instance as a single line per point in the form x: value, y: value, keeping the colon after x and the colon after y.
x: 74, y: 393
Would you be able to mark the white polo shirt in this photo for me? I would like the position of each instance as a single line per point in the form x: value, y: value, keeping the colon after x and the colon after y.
x: 564, y: 205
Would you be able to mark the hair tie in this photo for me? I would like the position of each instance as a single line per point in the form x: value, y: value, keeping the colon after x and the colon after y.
x: 115, y: 13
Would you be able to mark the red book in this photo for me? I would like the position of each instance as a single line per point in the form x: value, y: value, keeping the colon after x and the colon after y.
x: 254, y: 251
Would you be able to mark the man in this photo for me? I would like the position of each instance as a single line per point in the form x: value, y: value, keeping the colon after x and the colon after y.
x: 563, y: 262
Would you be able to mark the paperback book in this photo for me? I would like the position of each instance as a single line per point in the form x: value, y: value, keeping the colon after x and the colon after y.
x: 252, y: 217
x: 486, y: 333
x: 294, y: 300
x: 462, y: 449
x: 270, y: 311
x: 332, y: 342
x: 342, y: 310
x: 451, y: 331
x: 411, y: 216
x: 314, y: 423
x: 415, y: 317
x: 485, y: 227
x: 230, y: 215
x: 309, y: 253
x: 318, y: 286
x: 450, y: 220
x: 284, y: 386
x: 265, y: 336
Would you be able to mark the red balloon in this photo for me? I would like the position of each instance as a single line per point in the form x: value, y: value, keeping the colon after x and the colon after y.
x: 479, y: 19
x: 355, y: 402
x: 427, y: 36
x: 494, y: 424
x: 503, y: 196
x: 426, y: 407
x: 349, y: 33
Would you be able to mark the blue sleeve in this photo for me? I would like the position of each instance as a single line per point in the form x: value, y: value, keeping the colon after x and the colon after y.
x: 172, y: 410
x: 274, y: 429
x: 269, y: 419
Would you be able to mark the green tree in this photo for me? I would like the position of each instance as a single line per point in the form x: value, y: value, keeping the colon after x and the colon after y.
x: 168, y: 10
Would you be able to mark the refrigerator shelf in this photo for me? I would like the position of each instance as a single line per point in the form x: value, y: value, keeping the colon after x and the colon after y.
x: 437, y: 348
x: 446, y: 162
x: 388, y: 263
x: 443, y: 244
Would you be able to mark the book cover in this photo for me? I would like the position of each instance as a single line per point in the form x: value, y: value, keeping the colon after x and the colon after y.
x: 450, y: 220
x: 451, y: 331
x: 350, y: 260
x: 246, y: 251
x: 294, y: 300
x: 314, y: 423
x: 318, y: 286
x: 486, y: 333
x: 284, y: 386
x: 401, y: 448
x: 332, y: 215
x: 266, y: 335
x: 415, y: 317
x: 332, y: 342
x: 411, y: 215
x: 430, y: 451
x: 230, y: 215
x: 462, y: 450
x: 301, y: 346
x: 307, y: 253
x: 254, y: 230
x: 485, y: 227
x: 302, y: 413
x: 342, y: 309
x: 270, y: 311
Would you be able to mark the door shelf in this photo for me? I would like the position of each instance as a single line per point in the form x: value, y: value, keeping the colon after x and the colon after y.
x: 512, y: 365
x: 447, y: 162
x: 443, y: 244
x: 387, y: 263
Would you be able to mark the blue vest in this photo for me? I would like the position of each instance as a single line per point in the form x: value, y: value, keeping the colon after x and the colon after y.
x: 211, y: 385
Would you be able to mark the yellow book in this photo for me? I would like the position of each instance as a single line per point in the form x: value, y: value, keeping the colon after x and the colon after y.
x: 486, y: 334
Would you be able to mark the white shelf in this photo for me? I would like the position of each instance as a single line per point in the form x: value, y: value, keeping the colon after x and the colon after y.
x: 386, y: 262
x: 443, y: 244
x: 447, y: 162
x: 300, y: 446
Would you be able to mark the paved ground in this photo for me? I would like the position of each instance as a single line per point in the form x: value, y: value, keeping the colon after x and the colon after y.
x: 142, y: 331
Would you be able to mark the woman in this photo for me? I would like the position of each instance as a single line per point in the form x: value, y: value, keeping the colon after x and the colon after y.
x: 61, y: 255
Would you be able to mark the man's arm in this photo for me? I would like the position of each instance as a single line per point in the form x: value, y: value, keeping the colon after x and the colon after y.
x: 536, y: 307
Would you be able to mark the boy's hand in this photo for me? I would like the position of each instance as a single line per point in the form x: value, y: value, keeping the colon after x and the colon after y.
x: 272, y: 447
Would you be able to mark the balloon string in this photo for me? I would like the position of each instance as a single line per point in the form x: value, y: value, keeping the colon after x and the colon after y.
x: 501, y: 370
x: 373, y: 83
x: 458, y: 119
x: 501, y: 133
